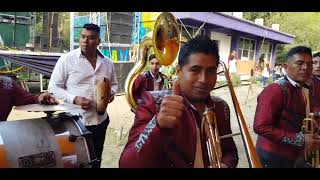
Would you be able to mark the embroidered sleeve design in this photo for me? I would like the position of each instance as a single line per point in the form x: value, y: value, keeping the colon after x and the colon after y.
x: 6, y: 82
x: 159, y: 95
x: 145, y: 134
x: 297, y: 141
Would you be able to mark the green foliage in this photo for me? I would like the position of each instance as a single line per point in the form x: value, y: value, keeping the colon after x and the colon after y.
x: 303, y: 25
x: 23, y: 76
x: 64, y: 28
x: 235, y: 79
x: 63, y: 24
x: 253, y: 80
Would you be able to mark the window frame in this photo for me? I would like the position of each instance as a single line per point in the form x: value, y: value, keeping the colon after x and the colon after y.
x: 241, y: 49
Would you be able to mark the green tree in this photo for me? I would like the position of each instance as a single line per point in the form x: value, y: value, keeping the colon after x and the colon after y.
x: 303, y: 25
x: 64, y: 30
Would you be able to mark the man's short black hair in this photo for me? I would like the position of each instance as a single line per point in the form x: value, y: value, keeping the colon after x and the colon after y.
x: 298, y: 50
x: 152, y: 56
x: 92, y: 27
x: 198, y: 44
x: 316, y: 54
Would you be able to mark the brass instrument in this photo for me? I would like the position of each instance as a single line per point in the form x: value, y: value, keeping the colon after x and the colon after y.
x: 165, y: 41
x: 312, y: 158
x: 213, y: 138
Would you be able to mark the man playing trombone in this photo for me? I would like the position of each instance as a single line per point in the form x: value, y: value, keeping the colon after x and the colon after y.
x: 169, y: 127
x: 282, y: 107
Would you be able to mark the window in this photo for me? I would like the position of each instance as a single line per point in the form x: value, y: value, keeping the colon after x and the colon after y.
x: 191, y: 30
x: 246, y: 49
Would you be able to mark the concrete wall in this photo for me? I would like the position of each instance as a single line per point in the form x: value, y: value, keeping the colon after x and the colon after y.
x: 224, y: 44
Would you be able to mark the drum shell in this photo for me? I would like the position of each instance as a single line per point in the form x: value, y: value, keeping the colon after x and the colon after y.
x: 44, y: 143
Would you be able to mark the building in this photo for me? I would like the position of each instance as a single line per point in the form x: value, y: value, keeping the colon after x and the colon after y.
x: 232, y: 33
x: 16, y: 28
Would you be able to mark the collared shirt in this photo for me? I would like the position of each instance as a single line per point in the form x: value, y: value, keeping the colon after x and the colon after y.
x: 305, y: 93
x: 158, y: 80
x: 151, y: 146
x: 74, y: 76
x: 315, y: 82
x: 293, y: 83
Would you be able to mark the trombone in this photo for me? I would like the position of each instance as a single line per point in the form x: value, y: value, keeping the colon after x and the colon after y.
x: 165, y: 41
x: 213, y: 138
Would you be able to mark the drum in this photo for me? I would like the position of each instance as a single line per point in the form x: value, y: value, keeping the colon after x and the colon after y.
x: 60, y: 141
x: 103, y: 90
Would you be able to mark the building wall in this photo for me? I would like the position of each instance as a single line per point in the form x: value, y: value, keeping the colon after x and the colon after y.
x: 224, y: 42
x: 22, y: 32
x: 120, y: 32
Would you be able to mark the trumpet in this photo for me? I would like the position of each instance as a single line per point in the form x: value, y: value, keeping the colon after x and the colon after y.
x: 212, y: 135
x: 212, y: 139
x: 165, y: 41
x: 312, y: 158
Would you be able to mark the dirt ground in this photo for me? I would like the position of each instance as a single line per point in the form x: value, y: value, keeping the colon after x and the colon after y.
x: 121, y: 120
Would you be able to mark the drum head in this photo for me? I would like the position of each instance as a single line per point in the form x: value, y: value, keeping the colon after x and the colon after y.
x: 43, y: 108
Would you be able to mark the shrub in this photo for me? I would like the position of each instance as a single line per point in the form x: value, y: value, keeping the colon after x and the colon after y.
x: 235, y: 79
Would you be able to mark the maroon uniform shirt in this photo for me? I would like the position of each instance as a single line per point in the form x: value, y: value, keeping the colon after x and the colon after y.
x: 12, y: 94
x: 150, y: 146
x: 145, y: 82
x: 278, y: 119
x: 315, y: 95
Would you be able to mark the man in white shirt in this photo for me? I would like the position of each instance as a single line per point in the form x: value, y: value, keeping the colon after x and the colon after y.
x: 74, y: 80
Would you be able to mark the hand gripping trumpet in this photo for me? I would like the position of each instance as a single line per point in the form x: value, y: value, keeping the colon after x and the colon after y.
x: 212, y: 139
x: 312, y: 158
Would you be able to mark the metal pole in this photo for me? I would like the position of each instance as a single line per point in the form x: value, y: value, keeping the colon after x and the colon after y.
x: 51, y: 31
x: 41, y: 84
x: 71, y: 30
x: 14, y: 29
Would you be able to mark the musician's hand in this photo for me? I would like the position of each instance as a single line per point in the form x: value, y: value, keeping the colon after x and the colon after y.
x: 47, y: 98
x: 83, y: 102
x: 171, y: 109
x: 311, y: 142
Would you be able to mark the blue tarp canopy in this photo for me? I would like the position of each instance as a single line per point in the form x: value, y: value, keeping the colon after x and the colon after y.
x: 39, y: 62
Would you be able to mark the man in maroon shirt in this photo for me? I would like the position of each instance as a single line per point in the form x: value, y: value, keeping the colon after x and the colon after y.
x: 168, y: 126
x: 152, y: 80
x: 12, y: 94
x: 315, y: 83
x: 280, y: 111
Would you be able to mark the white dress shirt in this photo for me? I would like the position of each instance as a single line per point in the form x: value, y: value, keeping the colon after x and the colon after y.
x: 156, y: 82
x: 292, y: 82
x: 73, y: 75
